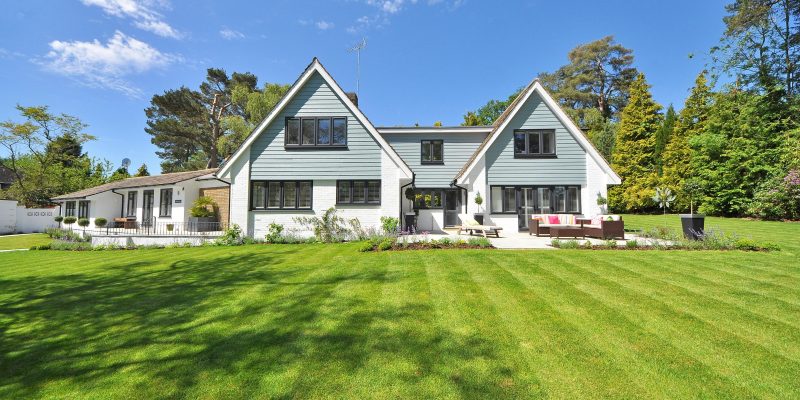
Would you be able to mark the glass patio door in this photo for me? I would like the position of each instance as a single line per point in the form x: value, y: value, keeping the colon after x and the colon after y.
x: 527, y: 206
x: 147, y: 208
x: 452, y: 207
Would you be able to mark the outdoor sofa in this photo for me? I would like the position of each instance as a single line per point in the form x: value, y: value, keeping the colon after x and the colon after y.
x: 599, y: 226
x: 605, y: 227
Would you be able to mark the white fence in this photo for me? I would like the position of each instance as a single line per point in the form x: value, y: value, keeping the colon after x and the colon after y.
x: 17, y: 219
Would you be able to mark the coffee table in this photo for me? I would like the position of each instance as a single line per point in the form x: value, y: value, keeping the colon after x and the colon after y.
x: 566, y: 231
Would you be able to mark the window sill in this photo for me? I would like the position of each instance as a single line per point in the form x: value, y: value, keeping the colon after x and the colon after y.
x: 535, y: 156
x: 313, y: 147
x: 282, y: 210
x: 432, y: 163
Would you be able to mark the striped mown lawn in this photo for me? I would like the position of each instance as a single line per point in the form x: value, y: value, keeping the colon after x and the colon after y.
x: 15, y: 242
x: 324, y: 321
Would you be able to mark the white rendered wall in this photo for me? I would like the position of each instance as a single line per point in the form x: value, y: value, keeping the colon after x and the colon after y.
x: 8, y: 216
x: 596, y: 182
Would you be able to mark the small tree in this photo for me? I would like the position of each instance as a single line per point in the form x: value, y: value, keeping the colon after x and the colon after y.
x: 692, y: 188
x: 663, y: 198
x: 601, y: 202
x: 69, y: 220
x: 58, y: 219
x: 100, y: 222
x: 83, y: 223
x: 478, y: 200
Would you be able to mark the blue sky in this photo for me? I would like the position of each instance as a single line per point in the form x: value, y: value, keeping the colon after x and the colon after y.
x: 425, y: 61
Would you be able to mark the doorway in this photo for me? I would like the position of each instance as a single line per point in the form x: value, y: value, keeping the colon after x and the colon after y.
x: 147, y: 208
x: 452, y: 207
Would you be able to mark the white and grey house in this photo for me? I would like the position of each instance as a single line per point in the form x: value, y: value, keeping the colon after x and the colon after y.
x: 316, y: 150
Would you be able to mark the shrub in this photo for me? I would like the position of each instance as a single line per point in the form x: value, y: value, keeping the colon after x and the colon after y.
x: 327, y: 228
x: 778, y: 198
x: 390, y: 225
x: 65, y: 235
x: 58, y: 219
x: 274, y: 233
x: 71, y: 246
x: 481, y: 242
x: 610, y: 244
x: 445, y: 242
x: 100, y: 222
x: 231, y: 237
x: 83, y: 222
x: 204, y: 207
x: 568, y: 244
x: 69, y: 220
x: 367, y: 247
x: 386, y: 244
x: 632, y: 244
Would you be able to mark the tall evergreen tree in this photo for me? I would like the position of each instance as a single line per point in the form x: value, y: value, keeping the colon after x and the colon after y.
x: 142, y: 171
x: 691, y: 122
x: 634, y: 156
x: 662, y: 137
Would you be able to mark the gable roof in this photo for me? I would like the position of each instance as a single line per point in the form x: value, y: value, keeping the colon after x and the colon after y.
x: 505, y: 118
x: 317, y: 67
x: 155, y: 180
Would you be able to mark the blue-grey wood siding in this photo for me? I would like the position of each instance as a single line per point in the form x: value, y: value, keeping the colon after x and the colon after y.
x: 458, y: 147
x: 568, y: 168
x: 270, y: 160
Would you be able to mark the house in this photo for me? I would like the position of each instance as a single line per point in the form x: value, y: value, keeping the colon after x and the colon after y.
x: 7, y: 177
x: 316, y: 150
x: 147, y: 200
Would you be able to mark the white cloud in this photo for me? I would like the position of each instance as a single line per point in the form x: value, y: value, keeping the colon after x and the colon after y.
x: 388, y: 8
x: 324, y: 25
x: 106, y: 65
x: 142, y: 12
x: 230, y: 34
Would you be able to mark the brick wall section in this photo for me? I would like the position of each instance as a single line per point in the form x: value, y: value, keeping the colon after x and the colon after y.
x: 221, y: 195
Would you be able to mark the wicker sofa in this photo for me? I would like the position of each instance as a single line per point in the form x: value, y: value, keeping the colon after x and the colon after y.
x: 540, y: 224
x: 605, y: 227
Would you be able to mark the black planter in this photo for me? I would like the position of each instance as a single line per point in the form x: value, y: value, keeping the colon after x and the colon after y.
x: 478, y: 218
x: 693, y: 225
x: 410, y: 222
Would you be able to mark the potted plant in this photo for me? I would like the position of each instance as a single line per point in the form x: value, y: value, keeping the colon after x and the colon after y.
x: 693, y: 224
x: 410, y: 218
x: 170, y: 227
x: 58, y: 219
x: 602, y: 203
x: 203, y: 213
x: 478, y: 201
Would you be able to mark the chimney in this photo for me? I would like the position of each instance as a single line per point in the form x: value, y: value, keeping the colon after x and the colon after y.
x: 353, y: 97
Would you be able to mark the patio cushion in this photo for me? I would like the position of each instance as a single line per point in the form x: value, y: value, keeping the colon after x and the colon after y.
x: 596, y: 221
x: 553, y: 219
x: 472, y: 222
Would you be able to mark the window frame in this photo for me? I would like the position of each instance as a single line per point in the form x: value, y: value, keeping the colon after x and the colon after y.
x: 539, y: 133
x: 552, y: 196
x: 423, y: 191
x: 316, y: 145
x: 128, y: 203
x: 83, y: 209
x: 162, y: 205
x: 282, y: 206
x: 67, y: 208
x: 351, y: 192
x: 430, y: 142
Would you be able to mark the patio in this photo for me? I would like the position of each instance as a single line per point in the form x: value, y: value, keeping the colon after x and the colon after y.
x: 522, y: 240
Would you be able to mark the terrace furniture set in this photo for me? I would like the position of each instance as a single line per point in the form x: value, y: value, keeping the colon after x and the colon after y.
x: 567, y: 225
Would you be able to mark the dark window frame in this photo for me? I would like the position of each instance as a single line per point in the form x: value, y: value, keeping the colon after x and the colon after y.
x: 366, y: 201
x: 431, y: 142
x: 539, y: 133
x: 69, y: 208
x: 518, y: 194
x: 83, y: 209
x: 316, y: 144
x: 129, y: 197
x: 282, y: 206
x: 162, y: 205
x: 422, y: 205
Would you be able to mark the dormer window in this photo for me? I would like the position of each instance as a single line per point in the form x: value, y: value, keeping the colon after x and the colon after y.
x: 534, y: 143
x: 432, y: 152
x: 316, y: 132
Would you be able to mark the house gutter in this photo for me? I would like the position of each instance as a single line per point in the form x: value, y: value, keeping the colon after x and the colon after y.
x: 402, y: 194
x: 466, y: 192
x: 121, y: 203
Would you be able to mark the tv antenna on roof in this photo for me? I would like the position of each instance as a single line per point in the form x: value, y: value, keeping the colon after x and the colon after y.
x: 357, y: 49
x: 126, y: 162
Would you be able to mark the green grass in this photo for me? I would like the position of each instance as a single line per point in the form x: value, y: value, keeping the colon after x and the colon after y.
x: 23, y: 241
x: 325, y: 321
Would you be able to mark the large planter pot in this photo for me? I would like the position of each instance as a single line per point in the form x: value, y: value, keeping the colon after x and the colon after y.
x: 203, y: 224
x: 693, y: 225
x: 478, y: 217
x: 410, y: 222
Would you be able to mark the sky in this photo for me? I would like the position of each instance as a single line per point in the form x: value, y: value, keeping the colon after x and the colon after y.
x: 425, y: 60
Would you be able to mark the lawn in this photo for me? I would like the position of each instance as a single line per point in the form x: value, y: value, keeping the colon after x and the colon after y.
x: 324, y: 321
x: 12, y: 242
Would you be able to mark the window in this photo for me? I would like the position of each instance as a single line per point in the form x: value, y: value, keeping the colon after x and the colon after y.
x: 358, y: 192
x: 269, y: 195
x: 427, y: 198
x: 316, y: 132
x: 69, y: 209
x: 131, y: 204
x: 547, y: 199
x: 83, y: 209
x: 534, y: 143
x: 432, y: 152
x: 165, y: 203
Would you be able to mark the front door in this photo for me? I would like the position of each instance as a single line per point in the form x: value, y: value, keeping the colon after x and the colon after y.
x: 526, y: 207
x: 147, y: 208
x: 452, y: 207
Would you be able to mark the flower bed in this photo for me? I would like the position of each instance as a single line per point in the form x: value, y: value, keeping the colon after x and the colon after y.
x: 403, y: 243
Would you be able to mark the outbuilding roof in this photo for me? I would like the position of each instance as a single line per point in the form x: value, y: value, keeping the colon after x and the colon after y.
x: 154, y: 180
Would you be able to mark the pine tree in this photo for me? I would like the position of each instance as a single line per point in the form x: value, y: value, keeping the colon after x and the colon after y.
x: 142, y: 171
x: 634, y: 154
x: 663, y: 135
x: 677, y: 155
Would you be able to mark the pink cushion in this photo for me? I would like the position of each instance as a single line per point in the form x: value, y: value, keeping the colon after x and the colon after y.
x: 553, y: 219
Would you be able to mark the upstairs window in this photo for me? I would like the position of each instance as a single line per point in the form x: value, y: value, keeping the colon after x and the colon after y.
x: 538, y: 143
x: 316, y: 132
x: 432, y: 152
